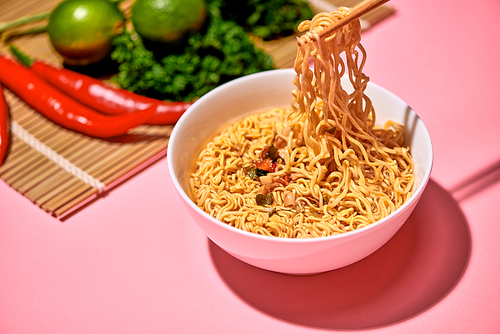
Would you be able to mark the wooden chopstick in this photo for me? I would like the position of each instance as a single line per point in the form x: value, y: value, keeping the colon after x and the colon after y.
x: 357, y: 11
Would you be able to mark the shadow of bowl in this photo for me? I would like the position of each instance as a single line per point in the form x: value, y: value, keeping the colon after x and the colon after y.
x: 413, y: 271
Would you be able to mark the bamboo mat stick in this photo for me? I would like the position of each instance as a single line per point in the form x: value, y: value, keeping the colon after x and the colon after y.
x: 23, y: 181
x: 99, y: 154
x: 50, y: 135
x: 40, y: 130
x: 67, y: 195
x: 43, y: 131
x: 58, y: 197
x: 71, y: 203
x: 109, y: 175
x: 108, y: 165
x: 70, y: 142
x: 90, y: 152
x: 53, y: 167
x: 55, y: 180
x: 19, y: 163
x: 31, y: 181
x: 49, y: 178
x: 110, y: 162
x: 16, y: 9
x: 62, y: 192
x: 16, y: 174
x: 42, y: 49
x: 57, y: 169
x: 26, y: 117
x: 75, y: 201
x: 30, y: 171
x: 22, y: 165
x: 17, y: 150
x: 24, y: 114
x: 12, y: 100
x: 61, y: 189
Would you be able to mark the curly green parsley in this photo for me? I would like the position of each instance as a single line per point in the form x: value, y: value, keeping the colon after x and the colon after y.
x: 221, y: 52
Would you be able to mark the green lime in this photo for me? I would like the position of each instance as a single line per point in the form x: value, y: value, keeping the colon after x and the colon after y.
x: 81, y: 31
x: 167, y: 20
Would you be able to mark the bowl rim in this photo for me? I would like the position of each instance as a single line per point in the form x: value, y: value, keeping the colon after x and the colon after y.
x: 351, y: 234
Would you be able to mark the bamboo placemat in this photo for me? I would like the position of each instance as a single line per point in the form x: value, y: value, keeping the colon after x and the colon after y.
x: 62, y: 171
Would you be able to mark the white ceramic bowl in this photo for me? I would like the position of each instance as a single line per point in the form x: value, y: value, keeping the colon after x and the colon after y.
x: 258, y: 92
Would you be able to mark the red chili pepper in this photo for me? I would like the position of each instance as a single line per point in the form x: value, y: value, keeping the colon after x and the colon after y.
x: 266, y: 164
x: 62, y: 109
x: 4, y: 127
x: 100, y: 96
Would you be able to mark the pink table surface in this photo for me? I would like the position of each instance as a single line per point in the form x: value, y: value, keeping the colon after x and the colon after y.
x: 134, y: 262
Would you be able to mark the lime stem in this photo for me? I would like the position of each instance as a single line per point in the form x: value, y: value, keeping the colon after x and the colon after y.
x: 22, y: 57
x: 23, y: 20
x: 25, y: 32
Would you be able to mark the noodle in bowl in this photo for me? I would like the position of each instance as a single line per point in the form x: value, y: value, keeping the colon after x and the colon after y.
x: 261, y: 92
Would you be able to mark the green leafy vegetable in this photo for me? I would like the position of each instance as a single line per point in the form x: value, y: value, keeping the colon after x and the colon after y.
x: 272, y: 211
x: 332, y: 130
x: 264, y: 199
x: 222, y: 51
x: 272, y: 153
x: 267, y: 19
x: 254, y: 173
x: 261, y: 172
x: 315, y: 213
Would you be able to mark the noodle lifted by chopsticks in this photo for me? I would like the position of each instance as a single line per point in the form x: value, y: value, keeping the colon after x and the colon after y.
x: 318, y: 169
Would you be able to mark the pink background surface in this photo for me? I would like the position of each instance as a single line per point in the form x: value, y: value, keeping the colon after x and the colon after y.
x: 135, y: 262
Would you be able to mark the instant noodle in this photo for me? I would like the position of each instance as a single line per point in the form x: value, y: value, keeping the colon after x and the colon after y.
x: 318, y: 168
